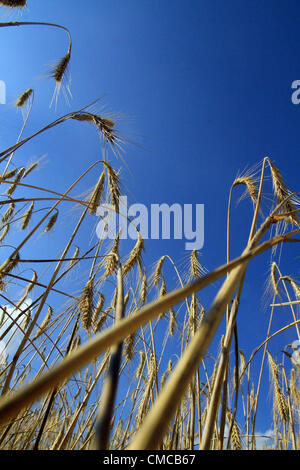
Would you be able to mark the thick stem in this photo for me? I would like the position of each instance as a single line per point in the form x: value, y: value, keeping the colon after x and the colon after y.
x: 11, y: 406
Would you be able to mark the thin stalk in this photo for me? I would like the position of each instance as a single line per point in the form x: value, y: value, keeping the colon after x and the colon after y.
x: 111, y: 383
x: 283, y: 304
x: 151, y: 432
x: 40, y: 307
x: 63, y: 439
x: 11, y: 406
x: 238, y: 297
x: 52, y: 395
x: 215, y: 398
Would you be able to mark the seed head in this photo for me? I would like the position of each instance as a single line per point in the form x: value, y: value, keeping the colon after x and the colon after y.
x: 9, y: 174
x: 104, y: 125
x: 135, y: 255
x: 17, y: 180
x: 96, y: 194
x: 172, y: 320
x: 27, y: 216
x: 141, y: 364
x: 22, y: 100
x: 113, y: 181
x: 144, y: 288
x: 112, y: 258
x: 76, y: 252
x: 295, y: 286
x: 235, y: 435
x: 157, y: 272
x: 51, y: 222
x: 9, y: 264
x: 101, y: 320
x: 31, y: 284
x: 87, y: 305
x: 8, y: 213
x: 282, y: 193
x: 250, y: 184
x: 59, y: 70
x: 274, y: 278
x: 4, y: 232
x: 98, y: 308
x: 30, y: 169
x: 13, y: 3
x: 45, y: 323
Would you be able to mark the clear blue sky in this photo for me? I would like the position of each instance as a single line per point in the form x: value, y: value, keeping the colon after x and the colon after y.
x: 204, y: 90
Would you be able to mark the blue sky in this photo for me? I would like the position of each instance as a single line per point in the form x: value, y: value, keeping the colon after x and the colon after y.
x: 203, y: 90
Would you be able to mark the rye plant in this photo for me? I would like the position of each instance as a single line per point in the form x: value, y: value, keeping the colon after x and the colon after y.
x: 94, y: 367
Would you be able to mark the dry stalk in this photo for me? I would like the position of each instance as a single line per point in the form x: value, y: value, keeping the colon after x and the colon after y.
x: 11, y: 406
